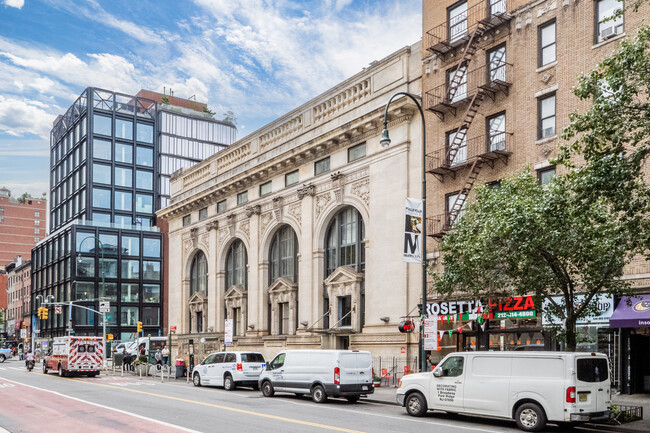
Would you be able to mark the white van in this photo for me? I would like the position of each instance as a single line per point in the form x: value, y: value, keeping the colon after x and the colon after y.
x: 529, y: 387
x: 321, y: 373
x: 150, y: 344
x: 229, y: 369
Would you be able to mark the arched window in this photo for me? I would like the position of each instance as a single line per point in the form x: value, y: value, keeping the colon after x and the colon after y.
x: 344, y: 241
x: 283, y: 255
x: 236, y: 262
x: 199, y: 274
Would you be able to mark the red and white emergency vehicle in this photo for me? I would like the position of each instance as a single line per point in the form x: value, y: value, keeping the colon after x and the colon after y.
x: 82, y: 355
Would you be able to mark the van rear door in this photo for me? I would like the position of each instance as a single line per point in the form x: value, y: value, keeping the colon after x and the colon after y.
x: 592, y: 384
x: 356, y: 369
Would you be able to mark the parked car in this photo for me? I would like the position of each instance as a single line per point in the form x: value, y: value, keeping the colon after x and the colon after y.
x: 229, y: 369
x: 529, y: 387
x: 4, y: 354
x: 131, y: 347
x: 320, y: 373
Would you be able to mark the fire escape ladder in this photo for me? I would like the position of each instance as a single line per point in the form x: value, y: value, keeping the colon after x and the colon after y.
x: 461, y: 132
x: 456, y: 208
x: 468, y: 53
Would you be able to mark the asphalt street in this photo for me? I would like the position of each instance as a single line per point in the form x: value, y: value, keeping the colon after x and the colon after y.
x: 34, y: 402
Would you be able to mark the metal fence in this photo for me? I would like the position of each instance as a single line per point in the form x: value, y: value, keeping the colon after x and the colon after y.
x: 388, y: 370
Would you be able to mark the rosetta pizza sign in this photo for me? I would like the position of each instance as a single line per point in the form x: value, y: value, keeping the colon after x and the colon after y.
x: 516, y: 306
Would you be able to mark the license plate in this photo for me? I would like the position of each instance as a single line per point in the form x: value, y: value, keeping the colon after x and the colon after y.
x: 364, y: 388
x: 254, y: 367
x: 582, y: 397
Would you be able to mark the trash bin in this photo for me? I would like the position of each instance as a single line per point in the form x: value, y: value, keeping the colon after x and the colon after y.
x: 180, y: 367
x: 118, y: 359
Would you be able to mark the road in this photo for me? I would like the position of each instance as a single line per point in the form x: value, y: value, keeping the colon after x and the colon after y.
x: 34, y: 402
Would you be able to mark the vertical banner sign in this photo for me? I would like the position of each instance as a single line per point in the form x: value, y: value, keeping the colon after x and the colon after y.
x: 431, y: 333
x: 413, y: 231
x: 228, y: 333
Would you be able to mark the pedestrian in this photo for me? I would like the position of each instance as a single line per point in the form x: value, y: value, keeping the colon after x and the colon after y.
x: 429, y: 363
x: 158, y: 357
x: 165, y: 355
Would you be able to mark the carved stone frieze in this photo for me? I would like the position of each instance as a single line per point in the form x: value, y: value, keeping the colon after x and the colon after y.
x: 265, y: 220
x: 338, y: 186
x: 253, y: 210
x: 212, y: 225
x: 361, y: 189
x: 230, y: 220
x: 187, y: 245
x: 321, y: 201
x: 205, y: 242
x: 224, y: 233
x: 305, y: 190
x: 546, y: 78
x: 295, y: 210
x: 245, y: 226
x: 277, y: 208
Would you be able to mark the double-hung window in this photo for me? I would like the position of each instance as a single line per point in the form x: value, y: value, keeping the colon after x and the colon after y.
x: 606, y: 26
x: 546, y: 116
x: 546, y: 37
x: 457, y: 21
x: 496, y: 130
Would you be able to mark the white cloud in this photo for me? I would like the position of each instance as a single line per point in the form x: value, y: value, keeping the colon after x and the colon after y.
x: 23, y: 116
x: 18, y: 4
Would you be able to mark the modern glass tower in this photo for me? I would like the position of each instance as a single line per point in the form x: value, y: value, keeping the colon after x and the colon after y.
x: 105, y: 187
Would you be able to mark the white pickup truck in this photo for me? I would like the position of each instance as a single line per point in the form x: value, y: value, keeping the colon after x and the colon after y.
x: 4, y: 354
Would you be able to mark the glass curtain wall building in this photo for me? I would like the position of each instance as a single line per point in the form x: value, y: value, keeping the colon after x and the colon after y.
x: 187, y: 137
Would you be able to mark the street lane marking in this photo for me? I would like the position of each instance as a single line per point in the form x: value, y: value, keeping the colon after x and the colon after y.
x: 400, y: 418
x: 166, y: 424
x: 231, y: 409
x: 17, y: 368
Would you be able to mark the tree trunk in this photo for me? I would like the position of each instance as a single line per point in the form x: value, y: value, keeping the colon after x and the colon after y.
x: 571, y: 338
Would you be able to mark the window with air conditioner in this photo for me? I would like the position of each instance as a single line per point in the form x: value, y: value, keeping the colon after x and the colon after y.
x: 546, y: 116
x: 608, y: 21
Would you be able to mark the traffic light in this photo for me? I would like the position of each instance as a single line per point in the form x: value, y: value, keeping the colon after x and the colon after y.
x: 406, y: 326
x: 45, y: 312
x: 40, y: 312
x: 139, y: 327
x: 109, y: 336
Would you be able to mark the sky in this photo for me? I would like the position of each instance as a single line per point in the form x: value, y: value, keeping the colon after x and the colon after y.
x: 257, y: 58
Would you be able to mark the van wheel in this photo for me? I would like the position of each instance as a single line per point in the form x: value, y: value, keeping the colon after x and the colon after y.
x: 228, y: 383
x: 267, y: 389
x: 415, y: 404
x: 352, y: 399
x: 530, y: 417
x: 2, y: 358
x: 196, y: 379
x: 318, y: 394
x: 61, y: 372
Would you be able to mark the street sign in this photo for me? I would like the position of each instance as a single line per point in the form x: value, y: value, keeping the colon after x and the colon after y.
x: 57, y: 309
x: 23, y: 333
x: 431, y: 334
x: 104, y: 306
x: 228, y: 333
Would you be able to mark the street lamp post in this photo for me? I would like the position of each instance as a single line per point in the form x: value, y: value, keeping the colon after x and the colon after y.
x: 385, y: 142
x: 103, y: 264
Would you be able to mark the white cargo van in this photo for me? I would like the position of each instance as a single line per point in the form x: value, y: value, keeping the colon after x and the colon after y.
x: 529, y: 387
x: 321, y: 373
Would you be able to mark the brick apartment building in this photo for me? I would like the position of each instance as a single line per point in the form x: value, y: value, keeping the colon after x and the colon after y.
x: 22, y: 225
x: 19, y: 300
x: 497, y: 90
x: 3, y: 303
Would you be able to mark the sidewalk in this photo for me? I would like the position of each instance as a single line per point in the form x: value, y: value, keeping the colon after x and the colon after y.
x: 386, y: 395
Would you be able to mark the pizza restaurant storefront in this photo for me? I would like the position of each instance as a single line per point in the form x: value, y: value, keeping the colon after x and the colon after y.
x: 515, y: 323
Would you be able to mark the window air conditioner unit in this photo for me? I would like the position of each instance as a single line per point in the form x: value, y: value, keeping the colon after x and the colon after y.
x: 548, y: 132
x: 608, y: 33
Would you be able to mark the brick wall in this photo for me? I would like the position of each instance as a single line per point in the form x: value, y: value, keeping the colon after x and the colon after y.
x: 19, y: 223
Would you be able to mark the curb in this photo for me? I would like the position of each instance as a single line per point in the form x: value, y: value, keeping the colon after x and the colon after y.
x: 614, y: 428
x: 372, y: 400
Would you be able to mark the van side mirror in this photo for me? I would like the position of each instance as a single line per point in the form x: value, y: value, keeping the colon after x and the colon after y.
x: 437, y: 372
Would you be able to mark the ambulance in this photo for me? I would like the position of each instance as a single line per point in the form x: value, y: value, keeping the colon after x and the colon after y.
x: 75, y: 355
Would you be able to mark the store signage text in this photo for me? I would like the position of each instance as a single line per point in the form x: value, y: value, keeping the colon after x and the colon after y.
x: 516, y: 303
x: 515, y: 314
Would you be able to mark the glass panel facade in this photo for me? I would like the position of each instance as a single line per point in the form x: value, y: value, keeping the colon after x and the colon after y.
x: 124, y: 129
x: 151, y: 247
x: 124, y: 153
x: 102, y: 149
x: 102, y: 198
x: 144, y: 180
x: 85, y: 267
x: 123, y: 177
x: 144, y: 156
x: 108, y: 268
x: 102, y: 125
x: 143, y: 203
x: 151, y: 316
x: 130, y: 245
x: 102, y: 173
x: 151, y: 270
x: 131, y: 269
x: 108, y: 291
x: 123, y: 201
x: 130, y: 292
x: 151, y: 293
x: 83, y: 291
x: 108, y: 244
x: 145, y: 133
x: 129, y: 316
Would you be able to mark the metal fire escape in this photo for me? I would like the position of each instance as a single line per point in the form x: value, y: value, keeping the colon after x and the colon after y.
x: 489, y: 21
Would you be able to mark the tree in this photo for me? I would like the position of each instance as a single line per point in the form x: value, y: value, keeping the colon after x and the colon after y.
x: 164, y: 99
x: 23, y: 198
x: 208, y: 111
x: 229, y: 117
x: 522, y: 238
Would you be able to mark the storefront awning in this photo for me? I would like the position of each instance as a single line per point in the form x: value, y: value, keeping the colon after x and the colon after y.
x: 631, y: 312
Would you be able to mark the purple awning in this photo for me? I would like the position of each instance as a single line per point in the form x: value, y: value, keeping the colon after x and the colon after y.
x: 634, y: 315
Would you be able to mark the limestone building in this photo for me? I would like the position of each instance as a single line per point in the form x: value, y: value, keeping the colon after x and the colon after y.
x: 296, y: 231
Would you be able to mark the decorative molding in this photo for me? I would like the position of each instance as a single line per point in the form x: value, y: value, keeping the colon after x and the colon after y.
x: 305, y: 190
x: 362, y: 190
x: 231, y: 224
x: 265, y: 220
x: 224, y: 233
x: 335, y: 104
x: 295, y: 210
x: 338, y: 186
x: 322, y: 201
x: 546, y: 78
x: 277, y: 208
x: 196, y: 176
x: 205, y: 241
x: 212, y: 225
x: 245, y: 226
x: 253, y: 210
x: 282, y: 132
x: 233, y: 155
x: 546, y: 150
x: 187, y: 245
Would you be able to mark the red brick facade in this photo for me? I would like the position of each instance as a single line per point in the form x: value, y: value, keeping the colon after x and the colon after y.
x: 22, y: 225
x: 173, y: 100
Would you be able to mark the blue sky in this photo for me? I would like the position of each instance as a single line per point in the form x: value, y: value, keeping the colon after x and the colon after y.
x: 258, y: 58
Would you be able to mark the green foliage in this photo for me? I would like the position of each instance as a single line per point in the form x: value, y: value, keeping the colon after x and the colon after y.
x: 208, y: 111
x: 229, y: 117
x: 164, y: 99
x: 1, y: 318
x: 524, y: 238
x: 23, y: 198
